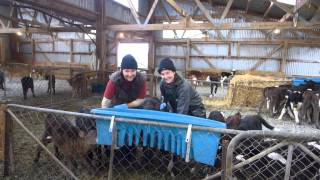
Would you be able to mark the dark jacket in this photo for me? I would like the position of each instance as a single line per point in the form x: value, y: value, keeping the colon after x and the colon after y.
x: 123, y: 95
x: 182, y: 98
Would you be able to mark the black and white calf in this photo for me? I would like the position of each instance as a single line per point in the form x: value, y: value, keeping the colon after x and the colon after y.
x: 294, y: 99
x: 226, y: 76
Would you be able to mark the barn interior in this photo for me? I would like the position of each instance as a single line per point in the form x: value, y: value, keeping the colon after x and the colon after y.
x: 267, y: 42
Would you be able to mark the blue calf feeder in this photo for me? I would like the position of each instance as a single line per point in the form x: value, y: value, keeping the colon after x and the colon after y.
x: 203, y: 147
x: 301, y: 81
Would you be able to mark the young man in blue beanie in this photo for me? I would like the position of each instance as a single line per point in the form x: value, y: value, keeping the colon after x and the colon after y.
x: 178, y: 93
x: 126, y: 88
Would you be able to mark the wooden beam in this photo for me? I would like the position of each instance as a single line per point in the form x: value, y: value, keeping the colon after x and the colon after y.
x: 134, y: 12
x: 39, y: 30
x: 189, y: 25
x: 165, y: 13
x: 154, y: 5
x: 176, y: 7
x: 269, y: 55
x: 226, y: 9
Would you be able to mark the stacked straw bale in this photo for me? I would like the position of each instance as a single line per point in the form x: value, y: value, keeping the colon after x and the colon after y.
x: 246, y: 91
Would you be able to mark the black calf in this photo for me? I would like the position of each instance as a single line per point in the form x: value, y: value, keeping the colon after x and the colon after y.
x: 214, y: 84
x: 27, y: 83
x: 1, y: 80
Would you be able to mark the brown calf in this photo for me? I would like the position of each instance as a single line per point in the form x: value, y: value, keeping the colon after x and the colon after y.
x: 68, y: 139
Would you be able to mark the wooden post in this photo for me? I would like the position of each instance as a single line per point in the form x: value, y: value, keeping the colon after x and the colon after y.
x: 238, y: 49
x: 284, y: 57
x: 151, y: 66
x: 5, y: 143
x: 33, y: 43
x: 71, y: 51
x: 225, y: 144
x: 101, y: 39
x: 187, y: 61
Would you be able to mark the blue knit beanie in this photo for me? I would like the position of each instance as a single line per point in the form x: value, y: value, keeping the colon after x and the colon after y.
x: 129, y: 62
x: 166, y: 64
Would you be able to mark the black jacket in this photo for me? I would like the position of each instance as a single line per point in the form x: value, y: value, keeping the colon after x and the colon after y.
x: 182, y: 97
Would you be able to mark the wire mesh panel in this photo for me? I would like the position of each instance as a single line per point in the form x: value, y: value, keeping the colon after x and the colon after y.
x: 274, y: 156
x: 54, y: 144
x: 141, y: 150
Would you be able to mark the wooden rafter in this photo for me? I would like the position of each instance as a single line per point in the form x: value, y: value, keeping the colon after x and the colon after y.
x: 207, y: 15
x: 176, y: 7
x: 134, y: 12
x: 268, y: 10
x: 67, y: 9
x: 269, y: 55
x: 247, y: 7
x: 2, y: 24
x: 316, y: 16
x: 153, y: 7
x: 226, y: 9
x: 165, y: 13
x: 293, y: 11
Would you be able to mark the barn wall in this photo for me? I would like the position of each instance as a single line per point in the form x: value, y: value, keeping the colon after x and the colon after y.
x: 226, y: 56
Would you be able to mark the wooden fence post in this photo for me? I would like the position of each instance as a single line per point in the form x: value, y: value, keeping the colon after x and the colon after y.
x: 6, y: 137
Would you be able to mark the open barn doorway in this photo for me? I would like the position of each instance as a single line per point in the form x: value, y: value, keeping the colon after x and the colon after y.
x: 138, y: 50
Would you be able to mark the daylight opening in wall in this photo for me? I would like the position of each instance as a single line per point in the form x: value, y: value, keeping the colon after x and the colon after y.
x: 138, y: 50
x: 90, y: 35
x: 291, y: 2
x: 125, y: 3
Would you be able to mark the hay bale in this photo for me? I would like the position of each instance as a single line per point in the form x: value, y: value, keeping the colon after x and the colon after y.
x: 247, y: 90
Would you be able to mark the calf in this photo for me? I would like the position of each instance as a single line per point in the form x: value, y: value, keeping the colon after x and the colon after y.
x: 227, y: 75
x: 85, y: 124
x: 310, y: 107
x: 51, y: 78
x: 151, y: 103
x: 294, y: 98
x: 250, y: 122
x: 78, y: 83
x: 216, y: 115
x: 273, y: 97
x: 214, y: 84
x: 2, y: 80
x: 27, y: 83
x: 68, y: 139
